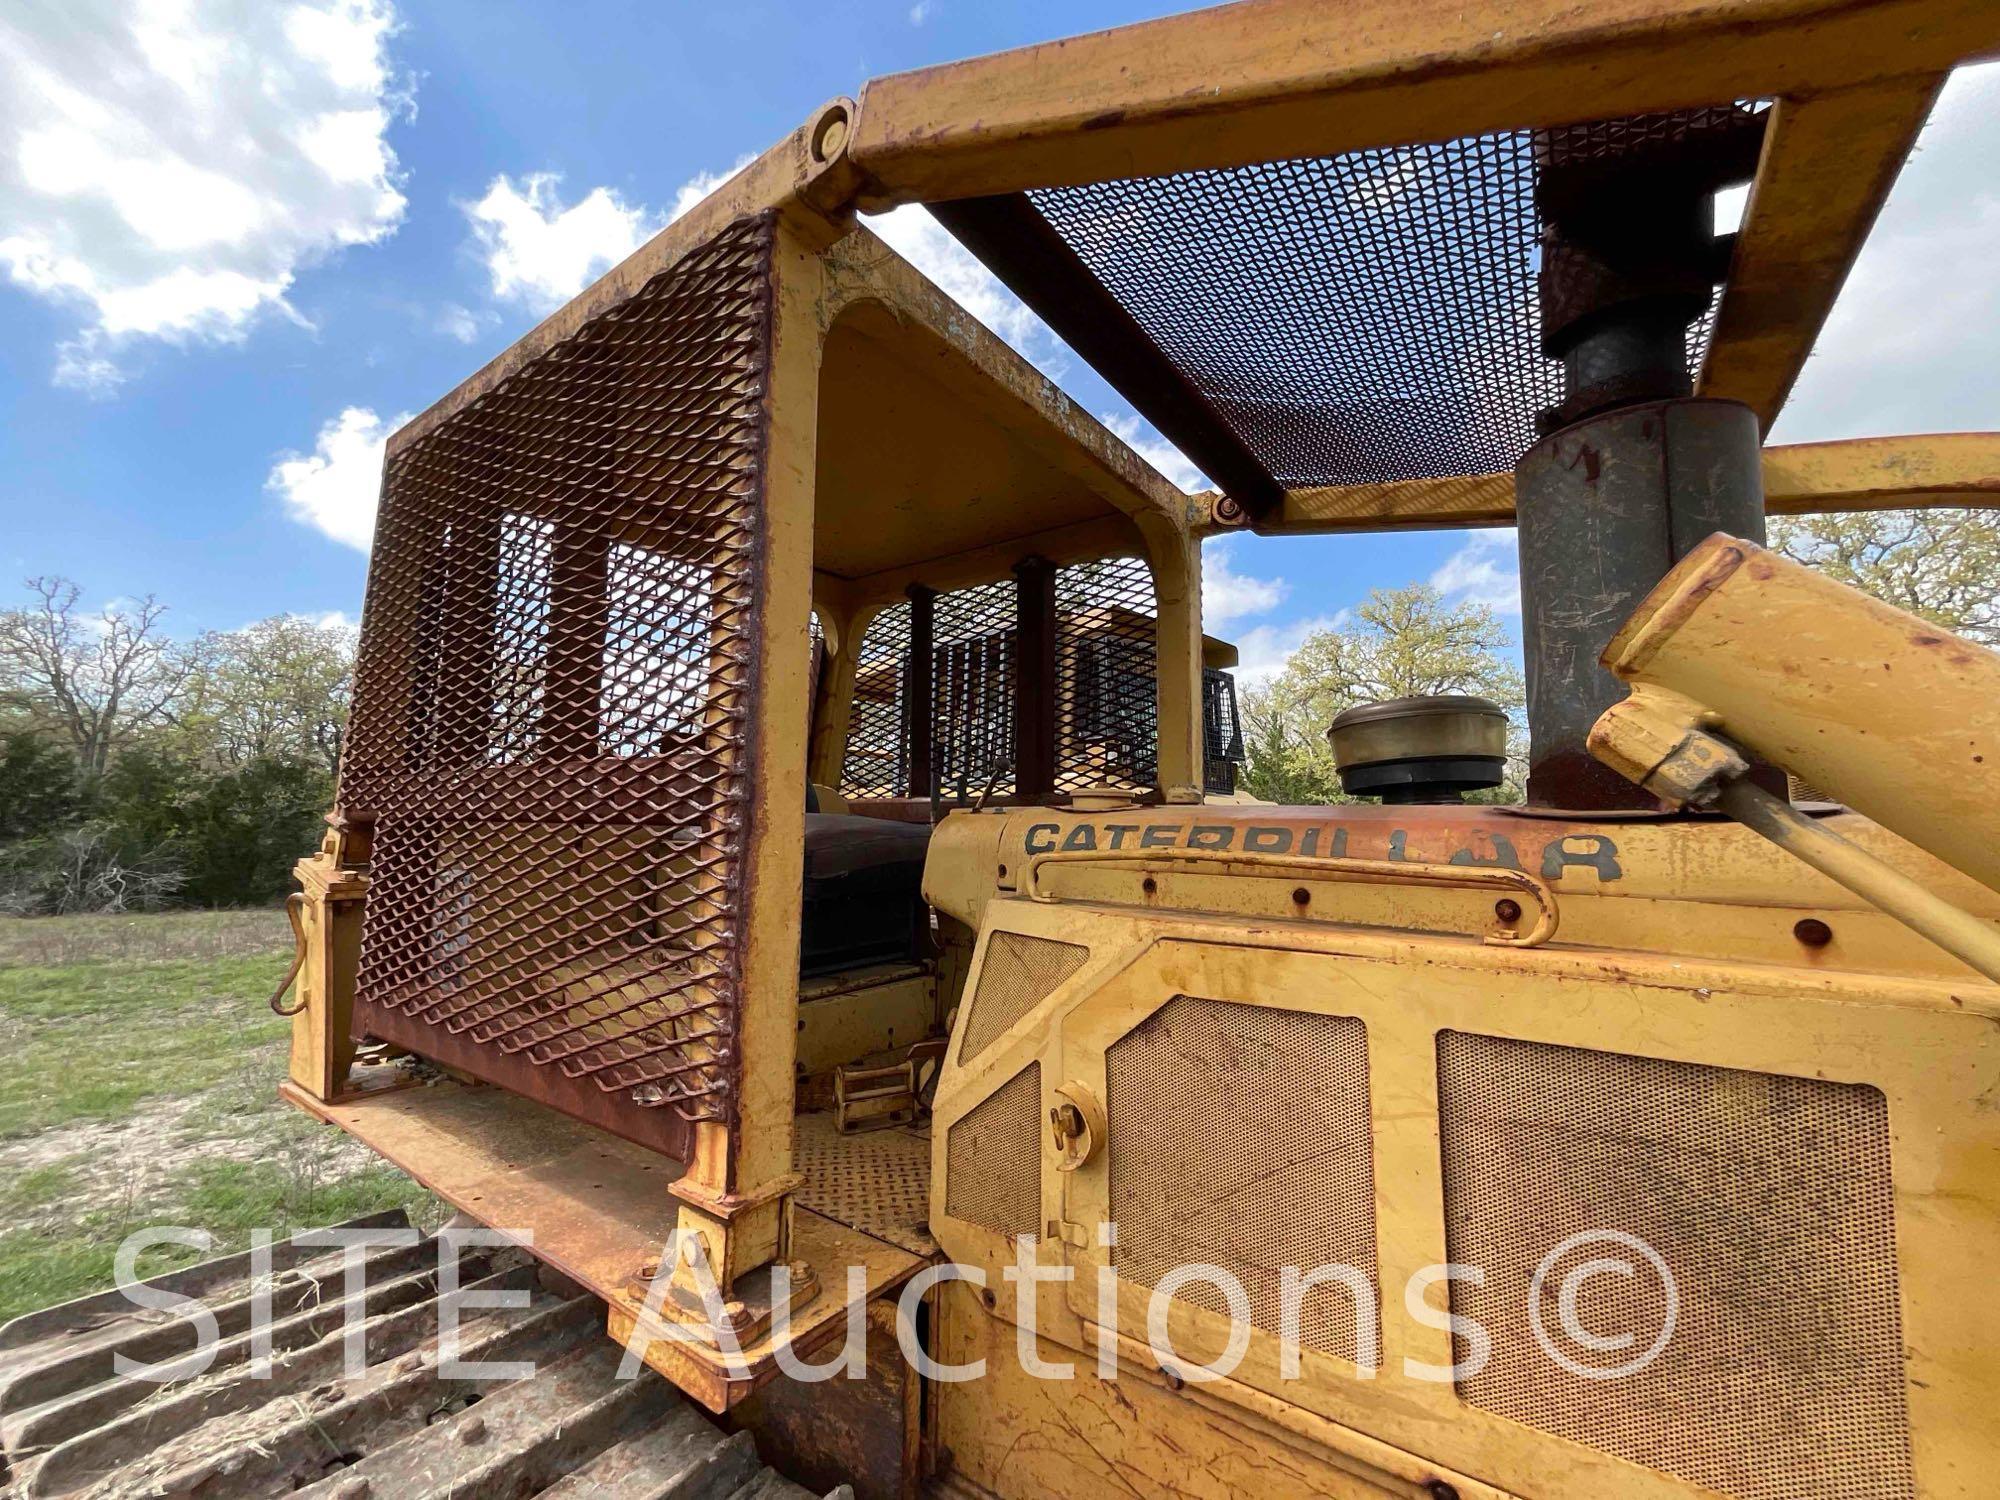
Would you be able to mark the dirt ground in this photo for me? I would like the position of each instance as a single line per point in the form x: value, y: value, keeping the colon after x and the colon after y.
x: 138, y: 1071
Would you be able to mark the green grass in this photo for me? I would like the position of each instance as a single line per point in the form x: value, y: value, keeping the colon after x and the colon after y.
x: 138, y: 1072
x: 57, y: 1260
x: 92, y: 1040
x: 142, y: 937
x: 38, y: 1188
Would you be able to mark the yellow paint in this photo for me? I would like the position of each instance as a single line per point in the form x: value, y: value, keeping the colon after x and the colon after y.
x: 1925, y: 1044
x: 1898, y: 473
x: 1896, y: 716
x: 907, y: 445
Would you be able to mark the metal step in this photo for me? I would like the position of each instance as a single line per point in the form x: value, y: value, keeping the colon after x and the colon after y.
x: 401, y: 1430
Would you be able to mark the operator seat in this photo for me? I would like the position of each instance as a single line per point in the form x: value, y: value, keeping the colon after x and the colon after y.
x: 864, y: 900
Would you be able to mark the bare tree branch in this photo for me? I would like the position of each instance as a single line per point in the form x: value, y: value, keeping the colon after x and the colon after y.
x: 94, y: 680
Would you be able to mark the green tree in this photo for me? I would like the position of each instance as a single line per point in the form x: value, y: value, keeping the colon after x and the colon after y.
x: 135, y: 771
x: 38, y: 790
x: 1941, y: 564
x: 277, y: 689
x: 144, y: 796
x: 242, y: 832
x: 1402, y: 642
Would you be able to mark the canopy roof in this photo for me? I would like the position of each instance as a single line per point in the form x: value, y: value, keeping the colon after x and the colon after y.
x: 1302, y: 239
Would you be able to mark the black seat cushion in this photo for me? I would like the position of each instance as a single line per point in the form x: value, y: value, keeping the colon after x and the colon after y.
x: 864, y: 900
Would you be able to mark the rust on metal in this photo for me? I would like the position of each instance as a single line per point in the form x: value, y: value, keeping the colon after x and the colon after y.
x: 865, y: 1433
x: 551, y: 711
x: 603, y: 1209
x: 405, y: 1425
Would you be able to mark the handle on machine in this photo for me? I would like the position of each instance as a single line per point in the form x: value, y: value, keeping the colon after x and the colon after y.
x: 1463, y: 877
x: 295, y: 905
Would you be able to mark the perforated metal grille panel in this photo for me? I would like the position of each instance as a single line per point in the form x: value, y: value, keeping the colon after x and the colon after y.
x: 1238, y: 1135
x: 878, y: 1181
x: 1359, y: 318
x: 550, y: 710
x: 877, y: 761
x: 1020, y: 972
x: 993, y: 1158
x: 1107, y: 711
x: 1769, y: 1199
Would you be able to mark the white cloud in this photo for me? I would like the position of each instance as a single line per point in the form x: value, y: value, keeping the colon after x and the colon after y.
x: 456, y: 322
x: 167, y: 167
x: 1484, y: 570
x: 1263, y: 651
x: 926, y: 244
x: 82, y: 366
x: 1139, y: 436
x: 1228, y: 595
x: 1909, y: 346
x: 920, y: 12
x: 542, y: 253
x: 334, y: 487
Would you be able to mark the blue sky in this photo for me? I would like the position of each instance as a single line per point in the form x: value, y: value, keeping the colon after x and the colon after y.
x: 239, y: 239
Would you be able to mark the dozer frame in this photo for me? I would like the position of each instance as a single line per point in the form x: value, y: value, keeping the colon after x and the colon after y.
x: 562, y: 922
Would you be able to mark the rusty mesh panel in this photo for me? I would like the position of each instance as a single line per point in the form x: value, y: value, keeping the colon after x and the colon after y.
x: 1107, y: 705
x: 1019, y: 973
x: 877, y: 760
x: 1239, y: 1136
x: 972, y: 690
x: 1769, y: 1198
x: 1221, y: 732
x: 1359, y: 318
x: 550, y: 710
x: 993, y: 1158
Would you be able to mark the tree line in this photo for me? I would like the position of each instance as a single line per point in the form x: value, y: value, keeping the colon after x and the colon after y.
x: 1941, y: 564
x: 141, y: 771
x: 138, y: 771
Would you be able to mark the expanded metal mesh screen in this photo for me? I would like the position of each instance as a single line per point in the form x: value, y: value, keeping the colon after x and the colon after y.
x: 993, y: 1158
x: 1107, y: 711
x: 1769, y: 1199
x: 877, y: 760
x: 1239, y: 1136
x: 550, y: 710
x: 1106, y: 719
x: 1360, y: 318
x: 1221, y: 732
x: 972, y: 690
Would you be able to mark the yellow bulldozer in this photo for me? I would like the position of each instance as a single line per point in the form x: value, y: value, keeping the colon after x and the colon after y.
x: 789, y: 893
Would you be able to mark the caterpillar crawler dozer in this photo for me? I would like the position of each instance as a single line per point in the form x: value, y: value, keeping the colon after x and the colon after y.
x: 787, y: 873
